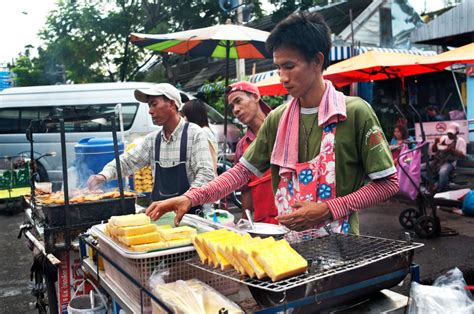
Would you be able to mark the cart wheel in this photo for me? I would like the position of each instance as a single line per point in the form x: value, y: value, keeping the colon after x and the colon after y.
x: 426, y: 227
x: 408, y: 218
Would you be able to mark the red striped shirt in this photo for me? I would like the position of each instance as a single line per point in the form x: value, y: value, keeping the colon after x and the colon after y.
x: 223, y: 185
x: 374, y: 192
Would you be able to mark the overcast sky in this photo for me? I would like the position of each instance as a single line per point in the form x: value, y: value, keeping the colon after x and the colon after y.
x: 20, y: 21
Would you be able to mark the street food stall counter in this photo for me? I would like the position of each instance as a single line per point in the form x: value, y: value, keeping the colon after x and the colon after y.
x: 342, y: 269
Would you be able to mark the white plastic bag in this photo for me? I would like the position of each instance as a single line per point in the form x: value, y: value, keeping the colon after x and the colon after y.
x: 446, y: 295
x: 190, y: 296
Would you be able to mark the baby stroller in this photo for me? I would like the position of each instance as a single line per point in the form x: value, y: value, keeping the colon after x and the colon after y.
x: 416, y: 188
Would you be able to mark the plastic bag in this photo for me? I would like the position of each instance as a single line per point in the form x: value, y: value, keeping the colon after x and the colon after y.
x: 446, y: 295
x: 409, y: 172
x: 190, y: 296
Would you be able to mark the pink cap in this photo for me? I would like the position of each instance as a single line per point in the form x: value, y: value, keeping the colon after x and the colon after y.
x: 245, y: 86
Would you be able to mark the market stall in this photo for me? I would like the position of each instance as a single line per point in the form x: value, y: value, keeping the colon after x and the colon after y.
x: 265, y: 275
x: 54, y: 219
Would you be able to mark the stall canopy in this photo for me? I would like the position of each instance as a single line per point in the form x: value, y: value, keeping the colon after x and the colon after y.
x: 369, y: 66
x: 214, y: 41
x: 271, y: 86
x: 376, y: 65
x: 464, y: 54
x: 219, y: 41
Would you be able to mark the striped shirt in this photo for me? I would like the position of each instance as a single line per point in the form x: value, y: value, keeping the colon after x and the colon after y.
x: 199, y: 167
x: 374, y: 192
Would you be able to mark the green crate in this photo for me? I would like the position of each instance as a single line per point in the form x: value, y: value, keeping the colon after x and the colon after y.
x: 15, y: 178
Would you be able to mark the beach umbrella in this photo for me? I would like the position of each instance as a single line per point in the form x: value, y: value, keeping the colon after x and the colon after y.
x: 226, y: 41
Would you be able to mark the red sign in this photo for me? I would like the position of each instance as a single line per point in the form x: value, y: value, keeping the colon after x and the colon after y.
x: 470, y: 71
x: 69, y: 278
x: 441, y: 127
x: 64, y: 288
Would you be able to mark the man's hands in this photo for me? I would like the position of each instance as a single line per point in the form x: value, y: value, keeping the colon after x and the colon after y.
x: 180, y: 205
x: 307, y: 215
x: 95, y: 181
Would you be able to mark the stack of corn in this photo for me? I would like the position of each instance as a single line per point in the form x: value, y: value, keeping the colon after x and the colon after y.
x: 254, y: 257
x: 138, y: 234
x: 143, y: 180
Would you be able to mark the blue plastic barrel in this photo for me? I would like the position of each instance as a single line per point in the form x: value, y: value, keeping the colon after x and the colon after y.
x: 92, y: 154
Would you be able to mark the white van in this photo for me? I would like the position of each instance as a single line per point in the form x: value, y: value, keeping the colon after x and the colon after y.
x: 19, y: 105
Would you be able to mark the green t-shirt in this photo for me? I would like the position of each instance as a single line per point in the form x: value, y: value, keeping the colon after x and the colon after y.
x: 360, y: 146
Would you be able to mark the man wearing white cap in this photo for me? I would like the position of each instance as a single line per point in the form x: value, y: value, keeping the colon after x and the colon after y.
x: 447, y: 150
x: 178, y: 154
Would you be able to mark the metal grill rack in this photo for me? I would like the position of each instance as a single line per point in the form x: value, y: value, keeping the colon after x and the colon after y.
x: 327, y: 256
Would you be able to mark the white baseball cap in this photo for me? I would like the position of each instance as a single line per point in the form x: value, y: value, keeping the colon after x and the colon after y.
x: 453, y: 128
x: 161, y: 89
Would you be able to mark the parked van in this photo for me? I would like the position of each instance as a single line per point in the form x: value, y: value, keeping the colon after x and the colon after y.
x: 20, y: 105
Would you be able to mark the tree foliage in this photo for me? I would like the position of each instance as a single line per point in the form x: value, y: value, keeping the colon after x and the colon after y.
x: 87, y: 40
x: 285, y: 8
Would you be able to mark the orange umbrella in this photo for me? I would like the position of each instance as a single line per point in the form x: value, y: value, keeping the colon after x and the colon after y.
x: 370, y: 66
x: 271, y: 86
x: 464, y: 54
x: 380, y: 65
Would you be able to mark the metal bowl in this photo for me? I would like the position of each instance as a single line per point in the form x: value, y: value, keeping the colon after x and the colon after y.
x: 262, y: 229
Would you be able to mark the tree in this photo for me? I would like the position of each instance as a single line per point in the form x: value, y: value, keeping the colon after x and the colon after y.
x: 90, y: 39
x: 87, y: 40
x: 285, y: 8
x: 26, y: 74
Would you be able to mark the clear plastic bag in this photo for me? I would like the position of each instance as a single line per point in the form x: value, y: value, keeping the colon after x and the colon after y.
x: 190, y: 296
x: 446, y: 295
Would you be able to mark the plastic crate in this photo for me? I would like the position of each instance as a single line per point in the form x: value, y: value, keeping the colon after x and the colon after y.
x: 142, y: 266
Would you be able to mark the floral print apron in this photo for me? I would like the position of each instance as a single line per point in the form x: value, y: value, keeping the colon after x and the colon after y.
x: 313, y: 181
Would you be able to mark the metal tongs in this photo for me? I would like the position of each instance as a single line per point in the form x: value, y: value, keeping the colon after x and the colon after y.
x: 249, y: 219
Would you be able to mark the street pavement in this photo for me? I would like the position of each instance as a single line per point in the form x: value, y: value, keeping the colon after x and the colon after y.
x: 437, y: 256
x: 16, y: 259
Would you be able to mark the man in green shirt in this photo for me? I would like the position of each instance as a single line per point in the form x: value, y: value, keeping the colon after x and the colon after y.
x: 320, y: 138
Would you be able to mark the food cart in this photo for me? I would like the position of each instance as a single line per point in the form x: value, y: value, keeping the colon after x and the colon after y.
x: 55, y: 220
x: 343, y: 269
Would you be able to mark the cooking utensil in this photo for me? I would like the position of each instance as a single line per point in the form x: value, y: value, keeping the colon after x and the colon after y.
x: 262, y: 229
x: 249, y: 218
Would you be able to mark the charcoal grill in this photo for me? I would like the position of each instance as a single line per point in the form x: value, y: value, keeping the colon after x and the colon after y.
x: 342, y: 268
x: 62, y: 223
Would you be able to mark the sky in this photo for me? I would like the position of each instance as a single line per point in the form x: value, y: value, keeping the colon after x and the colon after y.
x: 20, y: 21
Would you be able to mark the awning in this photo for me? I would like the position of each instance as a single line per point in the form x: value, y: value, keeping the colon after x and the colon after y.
x: 338, y: 53
x: 361, y: 50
